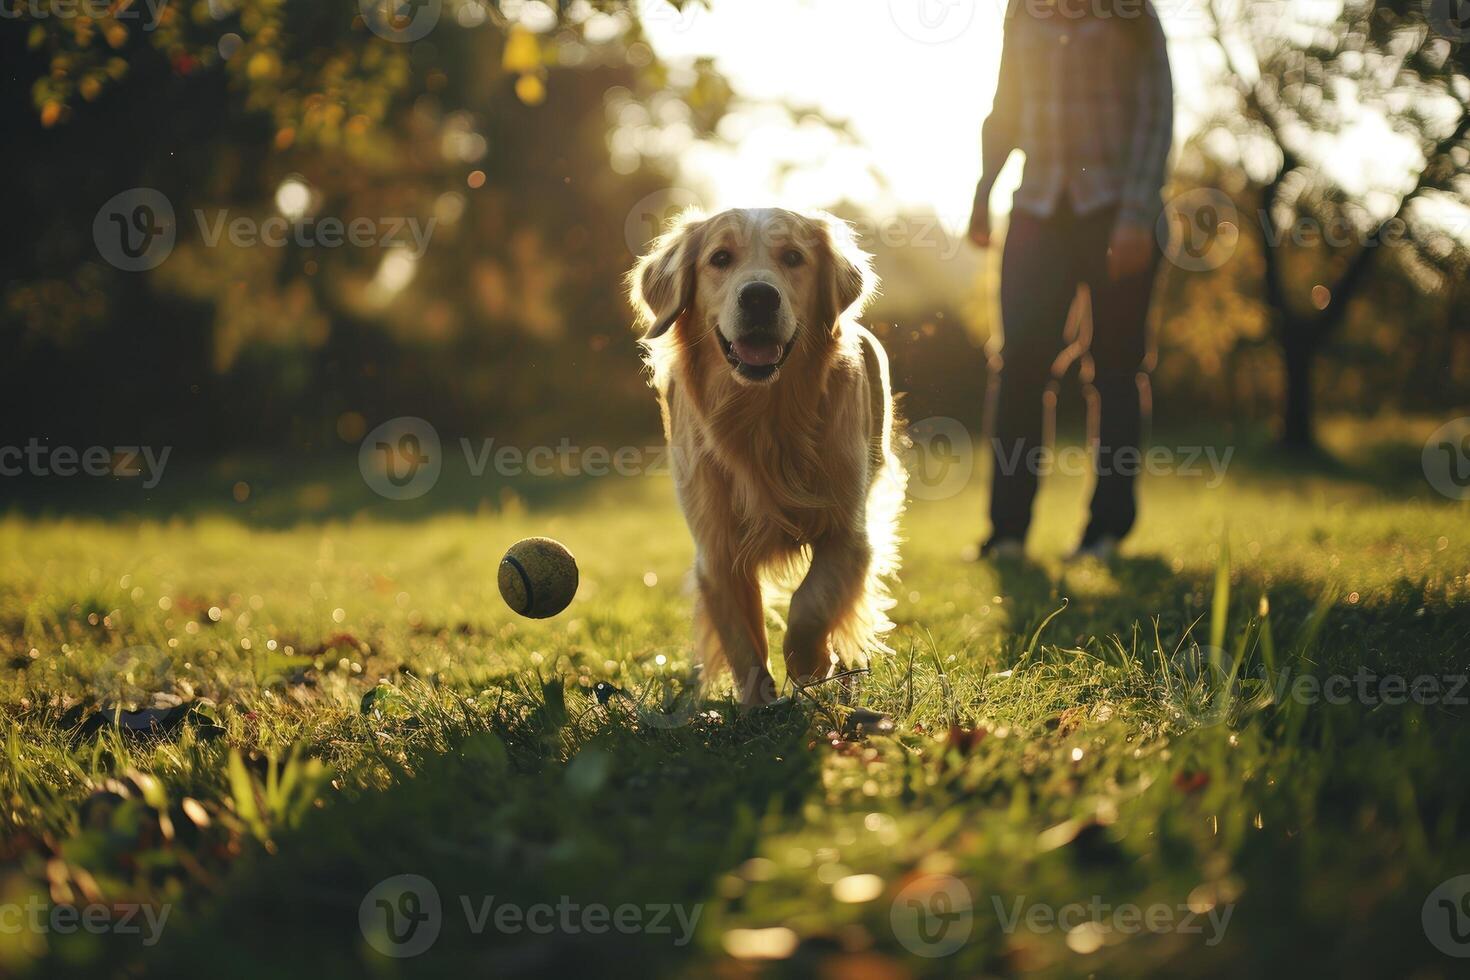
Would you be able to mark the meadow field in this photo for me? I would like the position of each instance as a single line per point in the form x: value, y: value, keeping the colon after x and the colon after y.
x: 300, y: 735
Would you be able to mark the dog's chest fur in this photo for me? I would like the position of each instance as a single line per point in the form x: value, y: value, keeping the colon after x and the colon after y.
x: 773, y: 466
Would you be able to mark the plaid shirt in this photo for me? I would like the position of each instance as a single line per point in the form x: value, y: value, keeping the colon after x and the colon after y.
x: 1090, y: 102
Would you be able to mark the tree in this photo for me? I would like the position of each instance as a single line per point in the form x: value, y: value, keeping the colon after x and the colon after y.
x: 1303, y: 84
x: 494, y: 126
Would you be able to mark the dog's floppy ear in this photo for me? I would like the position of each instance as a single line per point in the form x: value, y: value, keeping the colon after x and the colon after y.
x: 662, y: 283
x: 847, y: 280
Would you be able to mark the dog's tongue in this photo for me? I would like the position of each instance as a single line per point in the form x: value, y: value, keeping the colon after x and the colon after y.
x: 757, y: 354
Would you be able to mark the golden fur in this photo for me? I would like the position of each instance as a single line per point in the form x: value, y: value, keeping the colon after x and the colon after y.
x: 791, y: 473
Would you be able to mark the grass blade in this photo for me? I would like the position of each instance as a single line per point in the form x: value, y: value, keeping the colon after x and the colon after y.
x: 1220, y: 610
x: 1036, y: 636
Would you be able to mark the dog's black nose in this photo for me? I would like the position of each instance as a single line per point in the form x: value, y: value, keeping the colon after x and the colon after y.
x: 759, y: 300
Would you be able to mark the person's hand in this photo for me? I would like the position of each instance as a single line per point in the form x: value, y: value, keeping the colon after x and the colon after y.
x: 1129, y: 251
x: 979, y: 233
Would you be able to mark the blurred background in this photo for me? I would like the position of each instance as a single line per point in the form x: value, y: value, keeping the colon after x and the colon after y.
x: 265, y: 227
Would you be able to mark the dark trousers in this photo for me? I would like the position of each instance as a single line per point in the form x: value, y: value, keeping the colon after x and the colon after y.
x: 1044, y: 262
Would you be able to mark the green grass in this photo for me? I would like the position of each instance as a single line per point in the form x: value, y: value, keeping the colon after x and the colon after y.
x: 1120, y: 759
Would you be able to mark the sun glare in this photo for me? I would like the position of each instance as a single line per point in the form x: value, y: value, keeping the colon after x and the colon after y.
x: 913, y: 78
x: 914, y: 104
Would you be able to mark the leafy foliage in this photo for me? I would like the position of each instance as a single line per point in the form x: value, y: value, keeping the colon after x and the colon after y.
x: 1310, y: 85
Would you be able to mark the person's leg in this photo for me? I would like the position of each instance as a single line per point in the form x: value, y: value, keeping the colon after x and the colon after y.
x: 1118, y: 353
x: 1037, y: 285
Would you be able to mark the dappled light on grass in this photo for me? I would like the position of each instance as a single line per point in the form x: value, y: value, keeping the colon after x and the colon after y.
x: 1155, y: 731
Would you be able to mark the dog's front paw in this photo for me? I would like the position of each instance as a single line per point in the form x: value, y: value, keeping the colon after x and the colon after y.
x: 808, y: 658
x: 757, y: 690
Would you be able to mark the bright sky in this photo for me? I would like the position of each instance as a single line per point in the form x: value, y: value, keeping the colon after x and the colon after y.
x: 913, y: 77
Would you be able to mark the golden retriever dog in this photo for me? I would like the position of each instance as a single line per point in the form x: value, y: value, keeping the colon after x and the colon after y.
x: 779, y: 416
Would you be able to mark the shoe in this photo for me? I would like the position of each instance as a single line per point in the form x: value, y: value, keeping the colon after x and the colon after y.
x: 1003, y: 548
x: 1101, y: 548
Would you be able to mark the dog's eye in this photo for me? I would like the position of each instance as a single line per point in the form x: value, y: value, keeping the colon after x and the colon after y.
x: 721, y: 259
x: 792, y: 258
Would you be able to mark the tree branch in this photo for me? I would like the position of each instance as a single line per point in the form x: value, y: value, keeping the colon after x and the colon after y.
x: 1357, y: 268
x: 1262, y: 106
x: 1252, y: 95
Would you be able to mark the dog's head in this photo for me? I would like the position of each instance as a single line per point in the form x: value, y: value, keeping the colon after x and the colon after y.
x: 765, y: 284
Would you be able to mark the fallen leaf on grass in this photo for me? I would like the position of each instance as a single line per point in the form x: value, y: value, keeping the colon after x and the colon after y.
x: 1191, y: 782
x: 961, y: 742
x: 862, y: 721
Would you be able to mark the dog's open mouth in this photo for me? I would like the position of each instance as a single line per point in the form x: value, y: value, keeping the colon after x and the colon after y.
x: 753, y: 359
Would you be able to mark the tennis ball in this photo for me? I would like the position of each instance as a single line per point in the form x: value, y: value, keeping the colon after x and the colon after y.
x: 538, y: 577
